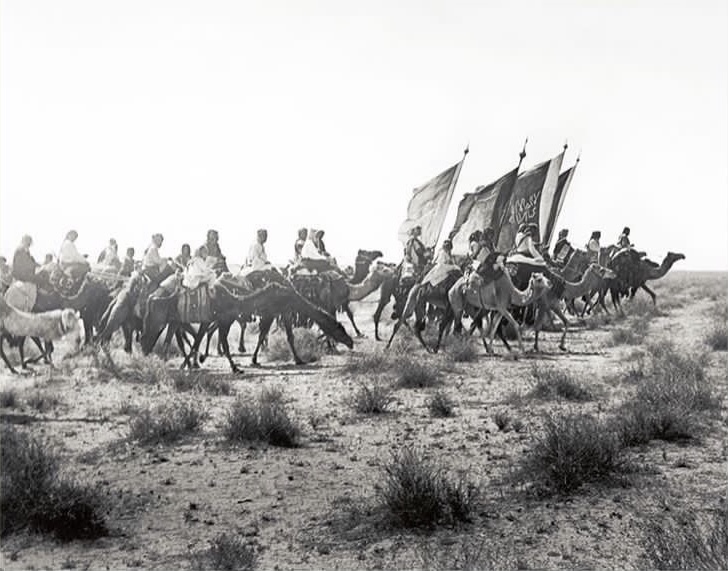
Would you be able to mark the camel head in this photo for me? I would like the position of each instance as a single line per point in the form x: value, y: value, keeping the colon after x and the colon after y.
x: 673, y: 257
x: 601, y: 272
x: 539, y: 284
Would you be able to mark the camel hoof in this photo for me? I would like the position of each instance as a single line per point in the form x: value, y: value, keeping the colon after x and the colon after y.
x: 203, y: 358
x: 563, y: 348
x: 360, y: 336
x: 300, y: 362
x: 242, y: 350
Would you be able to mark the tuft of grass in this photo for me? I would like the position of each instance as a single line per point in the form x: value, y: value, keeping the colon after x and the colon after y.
x: 469, y: 555
x: 687, y: 543
x: 502, y: 419
x: 228, y: 552
x: 307, y: 343
x: 552, y: 382
x: 441, y: 405
x: 717, y: 337
x: 203, y: 383
x: 35, y: 496
x: 368, y: 363
x: 573, y: 449
x: 8, y: 398
x: 167, y: 422
x: 264, y: 419
x: 374, y: 398
x: 417, y: 492
x: 633, y: 334
x: 415, y: 373
x: 147, y: 369
x: 41, y: 401
x: 462, y: 350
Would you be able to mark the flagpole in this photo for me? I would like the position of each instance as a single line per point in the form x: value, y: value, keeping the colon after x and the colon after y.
x: 521, y: 156
x: 451, y: 190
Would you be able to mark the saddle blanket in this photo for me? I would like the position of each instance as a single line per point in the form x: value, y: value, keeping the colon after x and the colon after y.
x: 521, y: 259
x: 22, y: 295
x: 193, y: 306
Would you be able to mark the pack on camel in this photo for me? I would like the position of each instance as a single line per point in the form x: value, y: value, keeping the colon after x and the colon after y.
x: 224, y: 307
x: 46, y: 326
x: 418, y: 298
x: 332, y: 292
x: 633, y: 272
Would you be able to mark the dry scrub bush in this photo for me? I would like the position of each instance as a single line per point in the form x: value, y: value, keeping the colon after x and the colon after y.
x: 147, y: 369
x: 227, y: 552
x: 413, y: 373
x: 687, y: 543
x: 42, y: 402
x: 642, y: 306
x: 264, y: 419
x: 8, y: 398
x: 668, y: 399
x: 368, y: 363
x: 572, y: 450
x: 468, y: 555
x: 35, y: 496
x: 307, y: 343
x: 167, y: 422
x: 461, y: 350
x: 551, y: 382
x: 502, y: 419
x: 204, y: 383
x: 372, y: 398
x: 633, y: 334
x: 717, y: 337
x: 441, y: 405
x: 417, y: 492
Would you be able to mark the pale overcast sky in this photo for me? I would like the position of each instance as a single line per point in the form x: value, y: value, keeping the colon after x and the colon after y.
x: 121, y: 119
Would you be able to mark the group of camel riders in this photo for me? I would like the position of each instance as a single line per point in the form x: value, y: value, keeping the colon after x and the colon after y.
x: 484, y: 259
x: 186, y: 269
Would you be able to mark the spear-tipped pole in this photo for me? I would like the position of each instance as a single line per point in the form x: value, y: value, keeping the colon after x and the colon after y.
x: 522, y: 154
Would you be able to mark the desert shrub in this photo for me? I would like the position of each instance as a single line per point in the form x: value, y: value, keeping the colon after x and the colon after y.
x: 167, y: 422
x: 632, y: 334
x: 462, y: 350
x: 8, y: 398
x: 415, y: 373
x: 416, y: 492
x: 502, y: 419
x: 307, y: 343
x: 686, y: 543
x: 572, y: 450
x: 372, y: 398
x: 368, y: 363
x: 552, y: 382
x: 638, y: 423
x: 228, y: 552
x: 441, y: 405
x: 472, y: 554
x: 34, y: 495
x: 202, y: 383
x: 641, y: 305
x: 717, y: 337
x: 263, y: 419
x: 42, y: 402
x: 147, y: 369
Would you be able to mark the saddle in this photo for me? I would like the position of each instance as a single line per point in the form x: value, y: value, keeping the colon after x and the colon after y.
x: 193, y: 306
x: 64, y: 284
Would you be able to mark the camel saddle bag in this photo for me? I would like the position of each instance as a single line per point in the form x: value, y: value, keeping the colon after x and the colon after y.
x: 193, y: 306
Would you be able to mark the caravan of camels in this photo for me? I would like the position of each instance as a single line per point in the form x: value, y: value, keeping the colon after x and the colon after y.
x: 496, y: 267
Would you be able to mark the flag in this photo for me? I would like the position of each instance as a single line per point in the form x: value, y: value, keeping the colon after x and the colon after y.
x: 558, y: 201
x: 428, y: 206
x: 530, y: 201
x: 480, y: 209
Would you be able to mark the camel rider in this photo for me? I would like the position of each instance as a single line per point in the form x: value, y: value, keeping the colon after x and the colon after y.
x: 257, y: 260
x: 623, y: 241
x: 184, y: 257
x: 215, y: 257
x: 415, y: 254
x: 71, y: 261
x: 109, y: 258
x: 563, y: 250
x: 526, y: 239
x: 6, y: 274
x: 128, y: 265
x: 199, y: 270
x: 474, y: 244
x: 24, y: 291
x: 153, y: 264
x: 593, y: 248
x: 298, y: 245
x: 444, y: 263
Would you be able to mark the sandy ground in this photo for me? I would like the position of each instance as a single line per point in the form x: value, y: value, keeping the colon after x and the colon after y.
x: 295, y: 504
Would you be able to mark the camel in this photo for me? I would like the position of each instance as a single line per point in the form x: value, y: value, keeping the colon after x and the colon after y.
x: 272, y: 300
x: 46, y: 326
x: 419, y: 296
x: 333, y: 293
x: 633, y: 272
x: 497, y: 296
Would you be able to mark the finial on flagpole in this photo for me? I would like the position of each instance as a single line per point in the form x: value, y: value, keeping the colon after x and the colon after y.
x: 467, y: 149
x: 566, y: 144
x: 522, y: 154
x: 578, y: 157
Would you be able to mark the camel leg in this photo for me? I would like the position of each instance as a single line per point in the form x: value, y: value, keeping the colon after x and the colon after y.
x: 502, y: 337
x: 446, y: 320
x: 509, y: 318
x: 487, y: 333
x: 4, y: 357
x: 652, y: 294
x: 289, y: 336
x: 383, y: 301
x: 241, y: 342
x: 350, y: 315
x: 263, y: 329
x: 208, y: 339
x: 128, y: 336
x: 222, y: 332
x: 562, y: 317
x: 195, y: 345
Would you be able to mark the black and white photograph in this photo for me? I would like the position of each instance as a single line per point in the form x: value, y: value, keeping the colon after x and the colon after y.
x: 332, y: 284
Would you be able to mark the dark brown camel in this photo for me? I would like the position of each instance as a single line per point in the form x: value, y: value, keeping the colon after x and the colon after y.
x: 633, y: 273
x: 225, y: 307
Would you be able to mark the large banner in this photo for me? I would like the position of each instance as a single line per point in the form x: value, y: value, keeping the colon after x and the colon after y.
x: 530, y: 202
x: 481, y: 209
x: 558, y: 201
x: 428, y: 206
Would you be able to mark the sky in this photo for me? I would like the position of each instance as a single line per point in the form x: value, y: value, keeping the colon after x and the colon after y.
x: 122, y: 119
